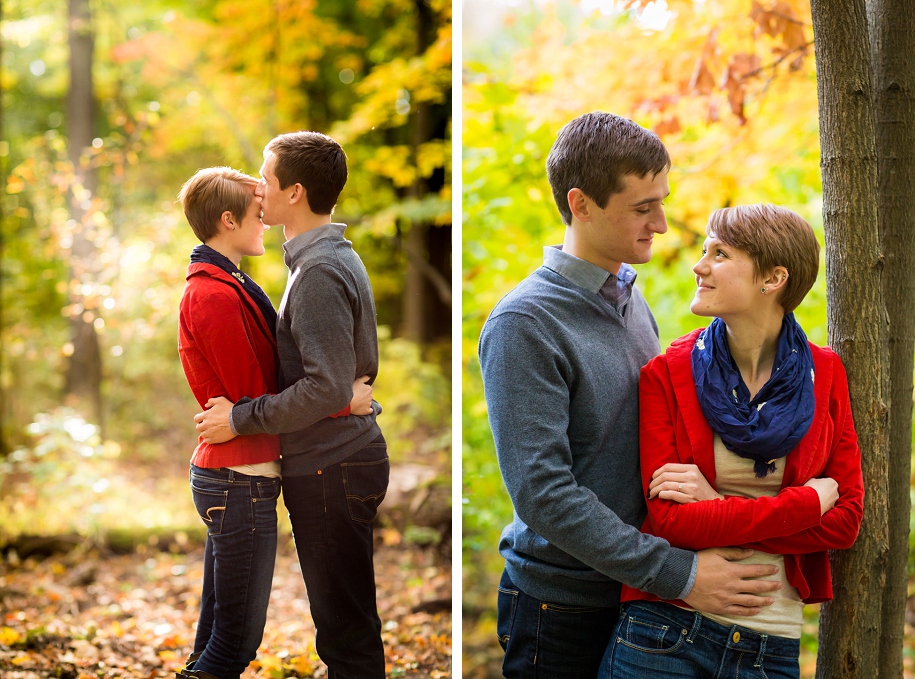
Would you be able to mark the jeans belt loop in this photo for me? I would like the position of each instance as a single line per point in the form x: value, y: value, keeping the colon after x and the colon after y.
x: 762, y: 650
x: 231, y: 476
x: 697, y: 623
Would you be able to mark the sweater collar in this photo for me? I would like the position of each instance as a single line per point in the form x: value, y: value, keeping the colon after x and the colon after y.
x: 583, y: 274
x: 295, y: 245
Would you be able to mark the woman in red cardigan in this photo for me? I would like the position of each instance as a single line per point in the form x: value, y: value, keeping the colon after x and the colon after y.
x: 227, y: 345
x: 747, y: 440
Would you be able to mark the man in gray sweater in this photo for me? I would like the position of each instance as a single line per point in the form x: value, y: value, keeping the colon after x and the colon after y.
x: 335, y: 469
x: 560, y: 357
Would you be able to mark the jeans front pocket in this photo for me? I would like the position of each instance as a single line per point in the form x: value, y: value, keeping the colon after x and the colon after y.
x: 211, y: 506
x: 366, y: 482
x: 644, y: 631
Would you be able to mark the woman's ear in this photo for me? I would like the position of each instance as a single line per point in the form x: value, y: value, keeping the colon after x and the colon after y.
x: 776, y: 279
x: 227, y: 221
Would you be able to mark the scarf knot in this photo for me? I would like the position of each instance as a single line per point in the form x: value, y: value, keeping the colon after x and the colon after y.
x: 768, y: 426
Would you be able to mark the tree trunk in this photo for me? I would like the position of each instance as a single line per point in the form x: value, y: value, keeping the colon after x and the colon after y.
x: 891, y: 25
x: 857, y: 325
x: 415, y: 293
x: 84, y: 373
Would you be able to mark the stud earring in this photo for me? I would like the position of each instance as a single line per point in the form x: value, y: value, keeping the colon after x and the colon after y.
x: 763, y: 291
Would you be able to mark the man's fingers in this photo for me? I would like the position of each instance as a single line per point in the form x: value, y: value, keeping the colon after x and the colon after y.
x: 754, y: 571
x: 743, y: 610
x: 364, y: 379
x: 198, y: 417
x: 732, y: 553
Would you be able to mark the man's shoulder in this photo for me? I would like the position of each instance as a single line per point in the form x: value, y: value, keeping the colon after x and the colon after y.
x: 535, y: 294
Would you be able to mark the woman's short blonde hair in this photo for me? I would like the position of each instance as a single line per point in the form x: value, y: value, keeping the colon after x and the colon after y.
x: 772, y: 236
x: 212, y: 191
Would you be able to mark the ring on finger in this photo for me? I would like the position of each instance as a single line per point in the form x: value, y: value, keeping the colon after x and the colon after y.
x: 679, y: 487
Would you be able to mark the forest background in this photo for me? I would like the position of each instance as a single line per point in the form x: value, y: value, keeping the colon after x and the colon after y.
x: 729, y: 85
x: 107, y: 109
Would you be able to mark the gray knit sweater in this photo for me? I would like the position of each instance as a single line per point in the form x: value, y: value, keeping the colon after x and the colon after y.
x: 560, y: 371
x: 326, y: 337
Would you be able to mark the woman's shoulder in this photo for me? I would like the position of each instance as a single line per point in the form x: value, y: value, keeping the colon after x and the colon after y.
x: 825, y: 357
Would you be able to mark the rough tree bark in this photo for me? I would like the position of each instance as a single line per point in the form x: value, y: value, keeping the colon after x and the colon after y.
x: 891, y: 25
x: 84, y: 372
x: 414, y: 291
x: 850, y: 625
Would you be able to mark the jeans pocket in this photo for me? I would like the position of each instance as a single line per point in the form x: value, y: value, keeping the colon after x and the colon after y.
x: 507, y: 606
x: 365, y: 484
x: 211, y: 506
x: 268, y: 489
x: 643, y: 631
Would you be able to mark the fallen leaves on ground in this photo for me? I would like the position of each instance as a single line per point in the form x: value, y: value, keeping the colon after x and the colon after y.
x: 84, y: 616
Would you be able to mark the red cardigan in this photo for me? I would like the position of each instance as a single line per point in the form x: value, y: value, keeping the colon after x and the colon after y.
x: 226, y: 349
x: 672, y: 428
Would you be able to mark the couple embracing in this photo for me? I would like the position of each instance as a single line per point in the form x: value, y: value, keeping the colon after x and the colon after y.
x: 295, y: 382
x: 672, y: 512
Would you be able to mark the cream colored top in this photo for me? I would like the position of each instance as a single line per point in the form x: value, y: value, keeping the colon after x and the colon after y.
x: 271, y: 469
x: 734, y: 476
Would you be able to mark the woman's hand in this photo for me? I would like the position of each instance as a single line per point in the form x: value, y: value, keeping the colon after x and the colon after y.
x: 681, y: 483
x: 362, y: 397
x: 828, y: 490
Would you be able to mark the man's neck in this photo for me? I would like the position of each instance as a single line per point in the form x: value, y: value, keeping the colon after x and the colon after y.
x: 304, y: 223
x: 577, y: 247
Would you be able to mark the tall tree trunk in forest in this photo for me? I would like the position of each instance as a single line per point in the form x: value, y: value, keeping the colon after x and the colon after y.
x: 84, y: 372
x: 3, y: 407
x: 850, y: 625
x: 892, y: 24
x: 414, y: 293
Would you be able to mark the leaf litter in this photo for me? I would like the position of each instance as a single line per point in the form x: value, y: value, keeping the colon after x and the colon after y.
x: 90, y: 615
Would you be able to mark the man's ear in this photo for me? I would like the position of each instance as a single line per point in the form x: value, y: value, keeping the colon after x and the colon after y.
x: 580, y: 205
x: 297, y: 195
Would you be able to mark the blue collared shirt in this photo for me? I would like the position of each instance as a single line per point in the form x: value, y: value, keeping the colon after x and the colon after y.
x: 615, y: 289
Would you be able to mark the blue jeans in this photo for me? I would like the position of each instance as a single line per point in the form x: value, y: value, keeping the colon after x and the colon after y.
x: 656, y: 639
x: 331, y: 512
x: 550, y: 640
x: 240, y: 515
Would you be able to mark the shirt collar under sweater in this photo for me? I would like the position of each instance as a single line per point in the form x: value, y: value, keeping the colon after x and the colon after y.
x: 615, y: 289
x: 295, y: 245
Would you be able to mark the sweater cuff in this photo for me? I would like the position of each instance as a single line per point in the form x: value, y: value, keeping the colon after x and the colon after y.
x: 240, y: 417
x: 676, y: 576
x: 692, y: 579
x: 231, y: 423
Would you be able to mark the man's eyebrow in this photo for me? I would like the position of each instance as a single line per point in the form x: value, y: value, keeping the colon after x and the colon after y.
x: 646, y: 201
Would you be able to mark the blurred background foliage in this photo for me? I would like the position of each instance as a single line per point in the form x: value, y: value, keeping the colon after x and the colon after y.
x: 95, y: 246
x: 729, y: 86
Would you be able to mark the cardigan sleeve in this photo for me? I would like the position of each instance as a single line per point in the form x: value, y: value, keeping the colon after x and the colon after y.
x: 217, y: 328
x: 839, y: 526
x: 709, y: 523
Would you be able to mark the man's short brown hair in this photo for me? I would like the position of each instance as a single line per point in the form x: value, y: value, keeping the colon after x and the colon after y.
x: 595, y: 152
x: 212, y: 191
x: 313, y: 160
x: 772, y: 236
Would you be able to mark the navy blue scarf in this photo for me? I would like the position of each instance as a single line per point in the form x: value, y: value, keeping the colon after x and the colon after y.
x: 204, y: 253
x: 769, y: 426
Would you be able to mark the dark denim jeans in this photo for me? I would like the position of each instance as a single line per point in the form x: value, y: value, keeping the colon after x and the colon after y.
x: 550, y: 641
x: 240, y: 515
x: 656, y: 639
x: 331, y: 512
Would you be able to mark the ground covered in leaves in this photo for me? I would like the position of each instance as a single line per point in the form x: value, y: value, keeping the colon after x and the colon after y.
x: 86, y: 614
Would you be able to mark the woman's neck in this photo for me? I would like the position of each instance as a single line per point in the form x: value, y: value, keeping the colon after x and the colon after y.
x: 752, y: 342
x: 224, y: 248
